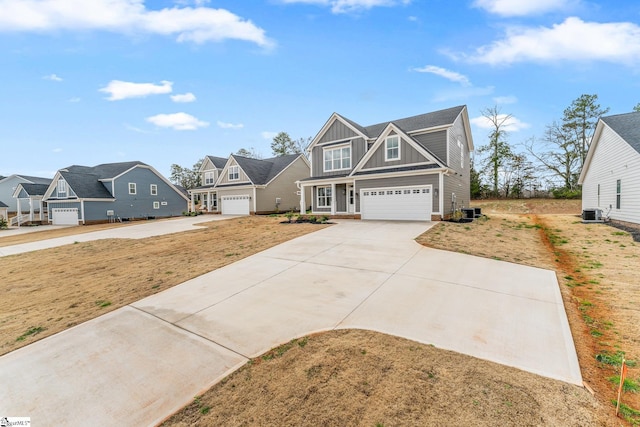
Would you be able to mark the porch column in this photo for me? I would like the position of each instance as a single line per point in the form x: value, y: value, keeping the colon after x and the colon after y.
x: 192, y: 206
x: 209, y: 201
x: 333, y: 198
x: 82, y: 210
x: 19, y: 211
x: 303, y: 203
x: 30, y: 209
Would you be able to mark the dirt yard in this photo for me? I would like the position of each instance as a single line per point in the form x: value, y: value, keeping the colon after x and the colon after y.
x: 47, y: 291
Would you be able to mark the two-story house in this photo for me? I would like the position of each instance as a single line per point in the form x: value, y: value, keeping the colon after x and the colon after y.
x: 243, y: 186
x: 111, y: 191
x: 415, y: 168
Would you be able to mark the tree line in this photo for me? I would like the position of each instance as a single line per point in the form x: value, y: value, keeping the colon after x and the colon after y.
x: 549, y: 164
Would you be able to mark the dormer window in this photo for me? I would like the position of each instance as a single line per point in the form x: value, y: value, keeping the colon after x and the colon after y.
x: 234, y: 173
x: 209, y: 178
x: 392, y: 148
x: 62, y: 188
x: 337, y: 158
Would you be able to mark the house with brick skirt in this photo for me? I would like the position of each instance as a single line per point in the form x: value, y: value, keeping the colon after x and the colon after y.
x: 414, y: 168
x: 610, y: 176
x: 112, y: 191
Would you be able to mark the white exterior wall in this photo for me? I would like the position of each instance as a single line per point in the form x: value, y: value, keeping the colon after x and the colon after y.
x: 613, y: 159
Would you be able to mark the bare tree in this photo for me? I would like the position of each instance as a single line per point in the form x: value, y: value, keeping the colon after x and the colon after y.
x: 498, y: 150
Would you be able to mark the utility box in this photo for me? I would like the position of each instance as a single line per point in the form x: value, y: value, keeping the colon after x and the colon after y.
x: 592, y: 215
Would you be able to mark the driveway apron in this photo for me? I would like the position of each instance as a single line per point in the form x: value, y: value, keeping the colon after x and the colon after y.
x: 139, y: 364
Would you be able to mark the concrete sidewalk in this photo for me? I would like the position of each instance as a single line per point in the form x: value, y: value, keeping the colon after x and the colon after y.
x: 140, y: 230
x: 138, y: 364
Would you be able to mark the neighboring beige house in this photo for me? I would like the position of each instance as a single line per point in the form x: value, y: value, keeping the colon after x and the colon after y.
x: 246, y: 186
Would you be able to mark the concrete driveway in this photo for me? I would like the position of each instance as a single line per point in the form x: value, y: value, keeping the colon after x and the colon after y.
x: 137, y: 230
x: 138, y: 364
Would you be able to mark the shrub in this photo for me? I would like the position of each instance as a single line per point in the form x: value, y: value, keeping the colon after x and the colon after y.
x: 3, y: 223
x: 566, y: 193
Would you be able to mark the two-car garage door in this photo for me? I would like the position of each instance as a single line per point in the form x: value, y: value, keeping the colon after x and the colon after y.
x: 235, y: 205
x: 397, y: 203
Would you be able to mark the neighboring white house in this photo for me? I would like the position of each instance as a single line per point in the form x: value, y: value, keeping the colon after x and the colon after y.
x: 610, y: 176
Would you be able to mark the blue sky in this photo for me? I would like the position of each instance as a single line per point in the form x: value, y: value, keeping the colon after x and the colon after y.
x: 89, y: 82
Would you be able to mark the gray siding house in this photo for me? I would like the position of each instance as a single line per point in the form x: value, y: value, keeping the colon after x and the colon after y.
x: 29, y: 196
x: 209, y: 172
x: 610, y: 177
x: 4, y: 214
x: 111, y: 191
x: 9, y: 184
x: 245, y: 186
x: 415, y: 168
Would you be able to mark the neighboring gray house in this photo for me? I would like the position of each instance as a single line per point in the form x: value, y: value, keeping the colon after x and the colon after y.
x: 416, y: 168
x: 3, y: 211
x: 111, y: 191
x: 9, y: 184
x: 246, y: 186
x: 610, y: 177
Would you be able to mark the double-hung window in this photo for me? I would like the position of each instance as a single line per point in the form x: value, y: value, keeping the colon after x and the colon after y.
x: 62, y: 188
x: 156, y: 205
x: 234, y: 173
x: 324, y: 197
x: 132, y: 188
x: 337, y: 158
x: 154, y: 189
x: 209, y: 178
x: 392, y: 148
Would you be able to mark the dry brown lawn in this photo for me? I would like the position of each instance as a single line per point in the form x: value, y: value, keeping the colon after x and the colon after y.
x: 48, y: 291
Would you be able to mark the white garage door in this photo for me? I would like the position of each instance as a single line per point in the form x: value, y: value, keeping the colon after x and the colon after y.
x: 397, y: 203
x: 64, y: 216
x: 235, y: 205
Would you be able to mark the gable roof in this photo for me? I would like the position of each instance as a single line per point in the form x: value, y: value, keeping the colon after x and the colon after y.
x: 31, y: 179
x: 421, y: 121
x: 262, y: 171
x: 86, y: 185
x: 218, y: 162
x: 627, y: 126
x: 105, y: 170
x: 35, y: 189
x: 2, y: 205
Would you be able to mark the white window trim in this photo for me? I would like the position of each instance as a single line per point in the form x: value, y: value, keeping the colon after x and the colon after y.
x: 386, y: 148
x: 156, y: 205
x: 333, y: 148
x: 325, y: 198
x: 61, y: 186
x: 135, y: 188
x: 208, y: 181
x: 235, y: 168
x: 153, y: 189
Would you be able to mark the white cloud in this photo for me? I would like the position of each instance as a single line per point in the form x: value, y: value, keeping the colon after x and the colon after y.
x: 447, y: 74
x: 57, y: 150
x: 199, y: 24
x: 53, y: 77
x: 192, y: 2
x: 511, y: 124
x: 268, y: 135
x: 505, y: 99
x: 572, y: 40
x: 224, y: 125
x: 177, y: 121
x: 349, y: 6
x: 184, y: 97
x: 74, y: 99
x: 118, y: 90
x: 522, y: 7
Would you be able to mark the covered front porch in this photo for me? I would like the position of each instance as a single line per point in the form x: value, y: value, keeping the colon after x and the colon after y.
x: 329, y: 197
x: 204, y: 197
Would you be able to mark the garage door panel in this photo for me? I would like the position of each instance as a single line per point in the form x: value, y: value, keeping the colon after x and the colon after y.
x: 235, y: 205
x: 405, y: 203
x: 64, y: 216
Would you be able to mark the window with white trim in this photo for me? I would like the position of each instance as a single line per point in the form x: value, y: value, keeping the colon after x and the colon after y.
x: 392, y: 148
x: 62, y: 187
x: 337, y: 158
x: 324, y: 197
x: 154, y: 189
x: 234, y: 173
x: 209, y: 178
x: 132, y: 188
x: 156, y: 205
x: 618, y: 193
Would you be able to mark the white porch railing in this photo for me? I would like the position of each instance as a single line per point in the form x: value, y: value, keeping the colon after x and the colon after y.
x: 19, y: 219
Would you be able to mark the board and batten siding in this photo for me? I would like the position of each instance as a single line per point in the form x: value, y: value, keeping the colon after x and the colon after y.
x: 436, y: 142
x: 612, y: 160
x: 401, y: 181
x: 358, y: 149
x: 336, y: 132
x: 243, y: 178
x: 408, y: 155
x: 284, y: 187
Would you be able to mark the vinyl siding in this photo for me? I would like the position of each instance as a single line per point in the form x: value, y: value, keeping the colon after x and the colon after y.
x: 284, y: 187
x: 613, y: 159
x: 455, y: 184
x: 408, y: 155
x: 436, y: 142
x: 63, y: 205
x: 401, y: 181
x: 243, y: 177
x: 314, y: 205
x: 317, y: 157
x: 460, y: 184
x: 336, y: 132
x: 6, y: 192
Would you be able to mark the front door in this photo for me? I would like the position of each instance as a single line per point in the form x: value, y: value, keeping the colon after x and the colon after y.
x: 350, y: 199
